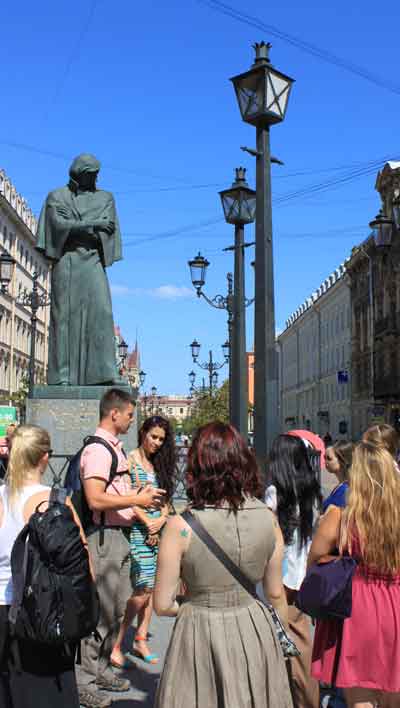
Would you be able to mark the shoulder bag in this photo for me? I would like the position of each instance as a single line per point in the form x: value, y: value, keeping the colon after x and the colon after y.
x: 288, y: 646
x: 326, y: 591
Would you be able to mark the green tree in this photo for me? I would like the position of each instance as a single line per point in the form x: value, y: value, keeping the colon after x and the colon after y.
x: 19, y: 397
x: 206, y: 409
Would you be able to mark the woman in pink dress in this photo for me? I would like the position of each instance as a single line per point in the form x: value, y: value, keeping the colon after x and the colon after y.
x: 362, y: 654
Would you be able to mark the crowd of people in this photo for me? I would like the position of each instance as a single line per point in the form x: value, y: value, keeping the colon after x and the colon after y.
x: 225, y: 649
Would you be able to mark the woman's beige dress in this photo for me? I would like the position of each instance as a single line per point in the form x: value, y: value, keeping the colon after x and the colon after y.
x: 224, y: 652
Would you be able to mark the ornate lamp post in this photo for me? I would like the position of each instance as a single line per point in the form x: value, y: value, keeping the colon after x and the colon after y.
x: 262, y: 94
x: 198, y: 271
x: 382, y: 228
x: 211, y: 366
x: 142, y: 378
x: 7, y: 269
x: 122, y: 353
x: 239, y: 205
x: 32, y: 300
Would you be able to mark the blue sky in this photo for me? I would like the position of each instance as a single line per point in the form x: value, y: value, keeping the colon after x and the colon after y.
x: 145, y: 87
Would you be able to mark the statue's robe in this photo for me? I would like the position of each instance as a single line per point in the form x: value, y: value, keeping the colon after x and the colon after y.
x: 81, y: 338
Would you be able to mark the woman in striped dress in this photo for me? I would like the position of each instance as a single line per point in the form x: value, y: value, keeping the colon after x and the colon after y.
x: 153, y: 461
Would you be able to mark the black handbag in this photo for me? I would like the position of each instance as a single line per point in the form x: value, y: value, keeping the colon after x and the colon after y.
x: 289, y: 648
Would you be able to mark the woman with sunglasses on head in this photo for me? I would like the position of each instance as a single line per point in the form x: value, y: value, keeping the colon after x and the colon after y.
x: 154, y: 460
x: 46, y: 676
x: 361, y: 654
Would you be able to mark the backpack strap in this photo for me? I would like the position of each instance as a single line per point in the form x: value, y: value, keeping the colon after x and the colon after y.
x: 19, y: 558
x: 90, y: 440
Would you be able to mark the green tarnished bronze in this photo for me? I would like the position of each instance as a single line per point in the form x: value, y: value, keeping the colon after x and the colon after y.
x: 79, y: 233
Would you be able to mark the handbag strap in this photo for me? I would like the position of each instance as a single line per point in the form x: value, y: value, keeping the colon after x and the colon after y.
x: 219, y: 553
x: 136, y: 471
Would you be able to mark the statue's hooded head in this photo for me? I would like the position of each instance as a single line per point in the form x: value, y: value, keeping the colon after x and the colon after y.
x: 83, y: 172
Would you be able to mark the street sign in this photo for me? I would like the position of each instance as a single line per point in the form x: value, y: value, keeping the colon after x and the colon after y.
x: 343, y: 376
x: 8, y: 414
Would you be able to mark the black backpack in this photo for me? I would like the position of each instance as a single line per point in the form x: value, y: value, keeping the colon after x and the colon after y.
x: 74, y: 486
x: 55, y: 600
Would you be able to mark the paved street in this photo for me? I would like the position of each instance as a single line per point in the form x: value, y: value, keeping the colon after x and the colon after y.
x: 144, y: 677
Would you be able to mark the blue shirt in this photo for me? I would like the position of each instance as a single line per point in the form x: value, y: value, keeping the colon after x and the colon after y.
x: 338, y: 497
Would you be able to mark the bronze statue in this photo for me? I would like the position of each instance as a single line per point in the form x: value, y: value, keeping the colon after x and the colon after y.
x: 79, y: 232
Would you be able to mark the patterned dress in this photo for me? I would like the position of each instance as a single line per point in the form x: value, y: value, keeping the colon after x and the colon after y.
x: 143, y: 557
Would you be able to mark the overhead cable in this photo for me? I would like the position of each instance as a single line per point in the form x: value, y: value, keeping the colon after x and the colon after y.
x: 301, y: 44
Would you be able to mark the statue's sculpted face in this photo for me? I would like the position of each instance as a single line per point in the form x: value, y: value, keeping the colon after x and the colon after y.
x: 87, y: 180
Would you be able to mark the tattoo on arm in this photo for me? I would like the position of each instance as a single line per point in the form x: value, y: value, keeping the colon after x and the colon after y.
x: 184, y: 533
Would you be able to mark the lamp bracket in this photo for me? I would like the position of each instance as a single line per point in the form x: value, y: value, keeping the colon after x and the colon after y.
x: 244, y: 245
x: 251, y: 151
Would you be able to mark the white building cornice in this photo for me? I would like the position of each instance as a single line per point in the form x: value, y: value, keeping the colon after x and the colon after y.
x: 324, y: 288
x: 18, y: 204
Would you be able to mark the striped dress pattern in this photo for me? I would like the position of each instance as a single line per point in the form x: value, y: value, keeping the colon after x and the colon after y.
x: 143, y: 557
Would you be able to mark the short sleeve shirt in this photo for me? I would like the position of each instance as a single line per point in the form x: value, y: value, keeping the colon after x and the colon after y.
x: 96, y: 462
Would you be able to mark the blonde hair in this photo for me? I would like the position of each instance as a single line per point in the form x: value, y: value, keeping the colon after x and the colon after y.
x: 383, y: 435
x: 29, y: 444
x: 372, y: 515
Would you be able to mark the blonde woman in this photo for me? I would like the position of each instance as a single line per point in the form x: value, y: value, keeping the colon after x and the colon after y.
x: 385, y: 436
x: 47, y: 678
x: 362, y: 654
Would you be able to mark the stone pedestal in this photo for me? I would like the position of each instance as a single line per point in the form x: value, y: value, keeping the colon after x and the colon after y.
x: 69, y: 414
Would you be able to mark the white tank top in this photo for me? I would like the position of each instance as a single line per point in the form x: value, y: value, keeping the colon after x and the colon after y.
x: 13, y: 523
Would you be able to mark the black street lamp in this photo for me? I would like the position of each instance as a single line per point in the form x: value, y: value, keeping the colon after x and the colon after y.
x: 32, y: 300
x: 239, y: 205
x: 195, y: 347
x: 198, y: 268
x: 382, y: 228
x: 211, y: 366
x: 6, y: 271
x: 192, y: 378
x: 262, y: 94
x: 122, y: 353
x: 142, y: 378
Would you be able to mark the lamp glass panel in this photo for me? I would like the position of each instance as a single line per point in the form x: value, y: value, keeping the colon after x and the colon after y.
x: 6, y: 271
x: 384, y: 234
x: 277, y: 93
x: 197, y: 271
x: 195, y: 349
x: 250, y: 206
x: 250, y: 95
x: 230, y: 207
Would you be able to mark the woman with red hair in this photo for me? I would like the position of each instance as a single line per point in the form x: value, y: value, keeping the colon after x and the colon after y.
x: 224, y: 650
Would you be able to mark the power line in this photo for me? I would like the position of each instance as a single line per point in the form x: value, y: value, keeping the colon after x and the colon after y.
x: 71, y: 59
x: 281, y: 200
x: 67, y: 158
x: 127, y: 170
x: 304, y: 46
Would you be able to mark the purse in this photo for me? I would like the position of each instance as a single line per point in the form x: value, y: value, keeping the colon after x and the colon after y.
x: 326, y: 591
x: 289, y: 648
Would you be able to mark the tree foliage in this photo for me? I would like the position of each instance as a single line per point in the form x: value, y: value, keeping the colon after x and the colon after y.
x: 206, y: 408
x: 19, y: 397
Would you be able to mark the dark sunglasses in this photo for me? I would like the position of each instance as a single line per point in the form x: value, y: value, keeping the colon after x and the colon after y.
x: 50, y: 453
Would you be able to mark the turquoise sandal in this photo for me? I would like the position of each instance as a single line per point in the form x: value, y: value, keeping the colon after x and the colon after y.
x: 149, y: 658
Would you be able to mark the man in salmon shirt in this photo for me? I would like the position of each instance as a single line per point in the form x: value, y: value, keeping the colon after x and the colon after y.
x: 113, y: 511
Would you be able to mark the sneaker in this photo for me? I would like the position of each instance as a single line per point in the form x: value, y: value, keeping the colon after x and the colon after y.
x: 90, y: 698
x: 114, y: 683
